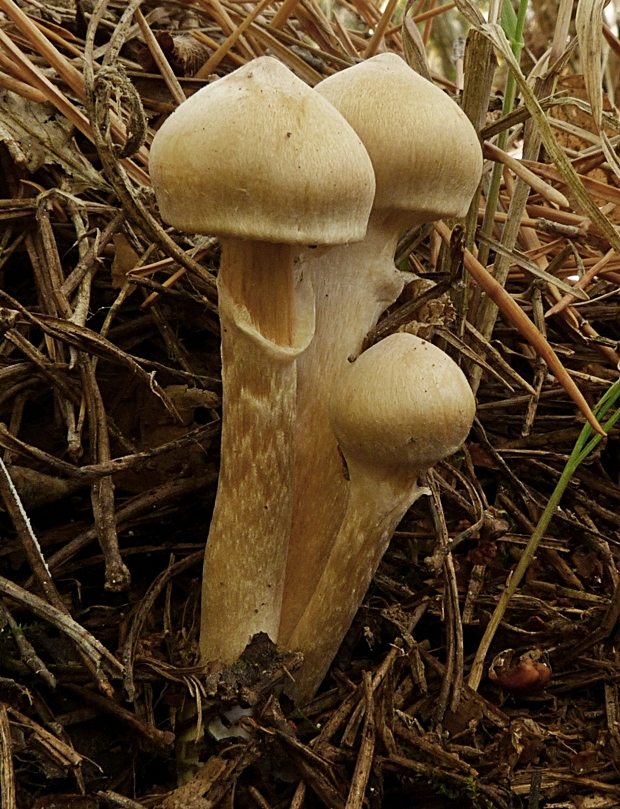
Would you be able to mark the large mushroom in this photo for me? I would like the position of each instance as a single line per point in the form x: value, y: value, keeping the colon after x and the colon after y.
x: 427, y: 162
x: 268, y: 165
x: 402, y: 406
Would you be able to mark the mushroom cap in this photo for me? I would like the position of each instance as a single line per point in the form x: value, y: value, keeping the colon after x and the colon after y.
x: 425, y: 152
x: 402, y: 403
x: 260, y: 155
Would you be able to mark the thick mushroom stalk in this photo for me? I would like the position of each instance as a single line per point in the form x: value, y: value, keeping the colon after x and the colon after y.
x: 427, y: 162
x: 399, y: 408
x: 264, y: 162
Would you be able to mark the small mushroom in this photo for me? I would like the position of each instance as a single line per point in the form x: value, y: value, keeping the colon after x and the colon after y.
x: 268, y: 165
x: 527, y: 677
x: 399, y: 408
x: 427, y: 161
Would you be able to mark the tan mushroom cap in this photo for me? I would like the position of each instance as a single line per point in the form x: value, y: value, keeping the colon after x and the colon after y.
x: 402, y: 403
x: 260, y: 155
x: 425, y: 152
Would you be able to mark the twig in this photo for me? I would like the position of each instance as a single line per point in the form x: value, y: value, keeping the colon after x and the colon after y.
x: 64, y: 623
x: 162, y: 739
x: 144, y: 610
x: 7, y: 772
x: 361, y: 774
x: 25, y: 648
x: 520, y: 321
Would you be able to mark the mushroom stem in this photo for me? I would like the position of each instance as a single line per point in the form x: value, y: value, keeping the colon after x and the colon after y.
x: 259, y: 276
x: 353, y: 285
x: 247, y: 547
x: 378, y: 501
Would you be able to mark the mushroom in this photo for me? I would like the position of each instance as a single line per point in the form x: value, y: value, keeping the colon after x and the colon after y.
x: 265, y: 163
x: 399, y: 408
x: 427, y: 161
x: 527, y: 676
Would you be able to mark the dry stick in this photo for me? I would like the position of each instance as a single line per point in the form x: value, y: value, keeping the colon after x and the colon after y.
x: 15, y: 70
x: 345, y: 40
x: 141, y: 270
x: 453, y: 681
x: 540, y: 369
x: 117, y: 576
x: 169, y: 282
x: 162, y: 63
x: 492, y: 152
x: 144, y: 610
x: 114, y: 799
x: 375, y: 41
x: 215, y: 8
x: 98, y: 654
x: 511, y: 310
x: 49, y: 259
x: 282, y: 15
x: 361, y: 774
x: 161, y: 739
x: 7, y: 772
x: 47, y: 369
x: 582, y: 283
x: 29, y: 541
x: 81, y: 305
x: 91, y: 472
x: 17, y: 415
x: 214, y: 60
x: 38, y: 565
x: 300, y: 793
x: 26, y: 649
x: 478, y: 68
x: 61, y: 752
x: 21, y: 88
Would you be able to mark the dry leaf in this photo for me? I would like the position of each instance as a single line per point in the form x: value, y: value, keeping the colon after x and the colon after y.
x: 35, y: 135
x: 125, y: 260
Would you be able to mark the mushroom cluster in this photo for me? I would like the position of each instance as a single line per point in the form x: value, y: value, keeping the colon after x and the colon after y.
x: 214, y: 172
x: 427, y: 162
x: 285, y: 176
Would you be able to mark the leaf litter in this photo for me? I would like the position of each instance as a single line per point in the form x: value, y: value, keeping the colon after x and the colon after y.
x: 110, y: 396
